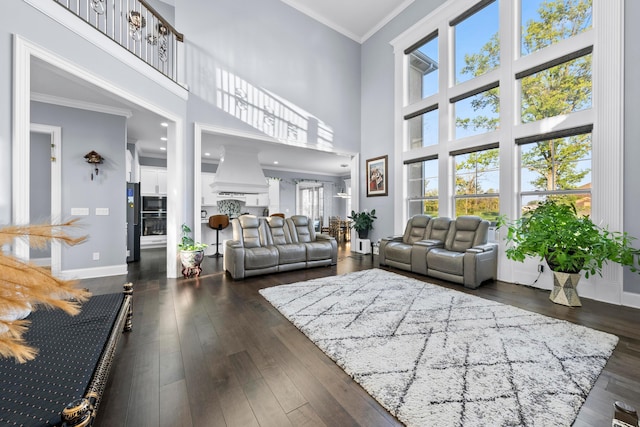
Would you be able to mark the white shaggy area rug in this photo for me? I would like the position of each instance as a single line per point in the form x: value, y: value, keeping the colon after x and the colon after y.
x: 438, y: 357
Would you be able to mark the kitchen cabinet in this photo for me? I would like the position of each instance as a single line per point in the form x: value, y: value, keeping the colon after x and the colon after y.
x: 257, y: 200
x: 209, y: 198
x: 158, y: 241
x: 153, y: 181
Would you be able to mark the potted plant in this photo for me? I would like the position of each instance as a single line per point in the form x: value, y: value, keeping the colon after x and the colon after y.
x: 570, y: 243
x: 362, y: 222
x: 191, y: 253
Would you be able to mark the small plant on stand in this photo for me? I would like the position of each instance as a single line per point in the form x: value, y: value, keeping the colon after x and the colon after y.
x: 362, y: 222
x: 191, y: 253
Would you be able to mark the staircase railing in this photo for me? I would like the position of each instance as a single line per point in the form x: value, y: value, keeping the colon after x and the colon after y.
x: 134, y: 25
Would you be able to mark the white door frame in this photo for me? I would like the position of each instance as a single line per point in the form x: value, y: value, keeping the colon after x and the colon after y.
x: 24, y: 50
x: 55, y: 133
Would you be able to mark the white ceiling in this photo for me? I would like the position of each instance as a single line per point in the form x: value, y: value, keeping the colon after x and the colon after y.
x: 357, y: 19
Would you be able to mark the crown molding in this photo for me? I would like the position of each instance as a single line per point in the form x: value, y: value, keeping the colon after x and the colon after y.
x: 81, y: 105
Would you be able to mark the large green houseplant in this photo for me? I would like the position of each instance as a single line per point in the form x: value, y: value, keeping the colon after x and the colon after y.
x: 362, y: 222
x: 191, y: 253
x: 570, y: 243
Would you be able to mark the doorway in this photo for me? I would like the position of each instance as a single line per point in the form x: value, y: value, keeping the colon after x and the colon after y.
x: 45, y: 180
x: 25, y: 53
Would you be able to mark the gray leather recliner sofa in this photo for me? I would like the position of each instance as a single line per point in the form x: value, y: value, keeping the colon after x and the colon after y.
x: 455, y: 250
x: 270, y: 245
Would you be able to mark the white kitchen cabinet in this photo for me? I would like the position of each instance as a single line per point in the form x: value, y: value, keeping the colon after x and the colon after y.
x: 257, y: 200
x: 158, y: 241
x: 153, y: 181
x: 209, y: 198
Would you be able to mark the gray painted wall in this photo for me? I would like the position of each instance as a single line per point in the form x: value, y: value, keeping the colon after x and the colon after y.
x: 276, y: 49
x: 377, y: 126
x: 83, y: 131
x: 631, y: 133
x: 40, y: 186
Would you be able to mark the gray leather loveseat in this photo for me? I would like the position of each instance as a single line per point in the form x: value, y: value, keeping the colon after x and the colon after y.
x: 451, y: 249
x: 270, y: 245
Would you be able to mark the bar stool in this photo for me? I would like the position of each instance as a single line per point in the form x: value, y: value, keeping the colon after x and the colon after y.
x: 218, y: 222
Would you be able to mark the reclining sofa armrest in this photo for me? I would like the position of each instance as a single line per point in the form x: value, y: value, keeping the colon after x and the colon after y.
x: 419, y: 254
x: 234, y: 259
x: 320, y: 236
x: 480, y: 264
x: 334, y: 246
x: 382, y: 259
x: 432, y: 243
x: 487, y: 247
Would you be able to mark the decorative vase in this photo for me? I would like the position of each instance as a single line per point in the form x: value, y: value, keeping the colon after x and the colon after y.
x: 564, y: 289
x: 191, y: 262
x: 363, y: 234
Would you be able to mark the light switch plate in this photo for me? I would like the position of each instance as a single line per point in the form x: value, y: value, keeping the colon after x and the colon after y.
x: 102, y: 211
x: 79, y: 211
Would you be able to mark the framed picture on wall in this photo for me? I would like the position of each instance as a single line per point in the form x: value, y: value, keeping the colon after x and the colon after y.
x: 376, y: 178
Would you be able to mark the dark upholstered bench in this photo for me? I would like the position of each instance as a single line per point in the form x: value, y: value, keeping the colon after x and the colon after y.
x: 72, y: 366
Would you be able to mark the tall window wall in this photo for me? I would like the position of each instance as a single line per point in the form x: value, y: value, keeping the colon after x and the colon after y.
x: 498, y: 98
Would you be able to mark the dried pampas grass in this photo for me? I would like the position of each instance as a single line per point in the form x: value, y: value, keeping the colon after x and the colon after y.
x: 25, y: 286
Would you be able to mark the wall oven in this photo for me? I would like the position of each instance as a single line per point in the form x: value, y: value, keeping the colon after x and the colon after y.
x: 153, y: 221
x: 154, y: 224
x: 154, y: 204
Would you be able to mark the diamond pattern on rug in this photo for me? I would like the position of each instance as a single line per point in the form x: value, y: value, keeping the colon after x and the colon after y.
x: 435, y: 356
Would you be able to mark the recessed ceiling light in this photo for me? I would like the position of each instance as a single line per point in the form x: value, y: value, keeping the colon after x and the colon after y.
x: 207, y: 154
x: 164, y: 124
x: 275, y: 162
x: 164, y: 138
x: 163, y: 148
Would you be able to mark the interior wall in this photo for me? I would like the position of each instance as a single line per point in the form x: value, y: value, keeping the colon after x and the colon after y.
x: 378, y: 117
x: 39, y: 186
x: 631, y: 132
x: 83, y: 131
x: 272, y: 51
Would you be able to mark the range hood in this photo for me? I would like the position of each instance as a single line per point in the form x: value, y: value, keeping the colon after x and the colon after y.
x: 239, y: 172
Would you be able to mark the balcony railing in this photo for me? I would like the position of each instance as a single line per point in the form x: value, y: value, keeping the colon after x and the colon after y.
x: 135, y: 26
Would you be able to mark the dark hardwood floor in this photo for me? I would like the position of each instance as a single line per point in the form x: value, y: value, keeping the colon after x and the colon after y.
x: 212, y: 352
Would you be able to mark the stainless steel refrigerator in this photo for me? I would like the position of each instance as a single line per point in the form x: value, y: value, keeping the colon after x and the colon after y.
x: 133, y: 221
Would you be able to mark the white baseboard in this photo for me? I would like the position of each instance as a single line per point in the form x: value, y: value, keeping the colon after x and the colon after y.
x: 630, y: 299
x: 88, y: 273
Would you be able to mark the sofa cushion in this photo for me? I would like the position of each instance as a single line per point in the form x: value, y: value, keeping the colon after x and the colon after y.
x: 319, y: 250
x: 260, y: 257
x: 439, y: 228
x: 280, y: 234
x: 399, y: 252
x: 446, y: 261
x: 292, y: 252
x: 301, y: 229
x: 416, y: 229
x: 466, y: 232
x: 250, y: 226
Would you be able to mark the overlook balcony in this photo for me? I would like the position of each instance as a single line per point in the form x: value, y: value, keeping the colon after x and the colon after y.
x: 135, y: 26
